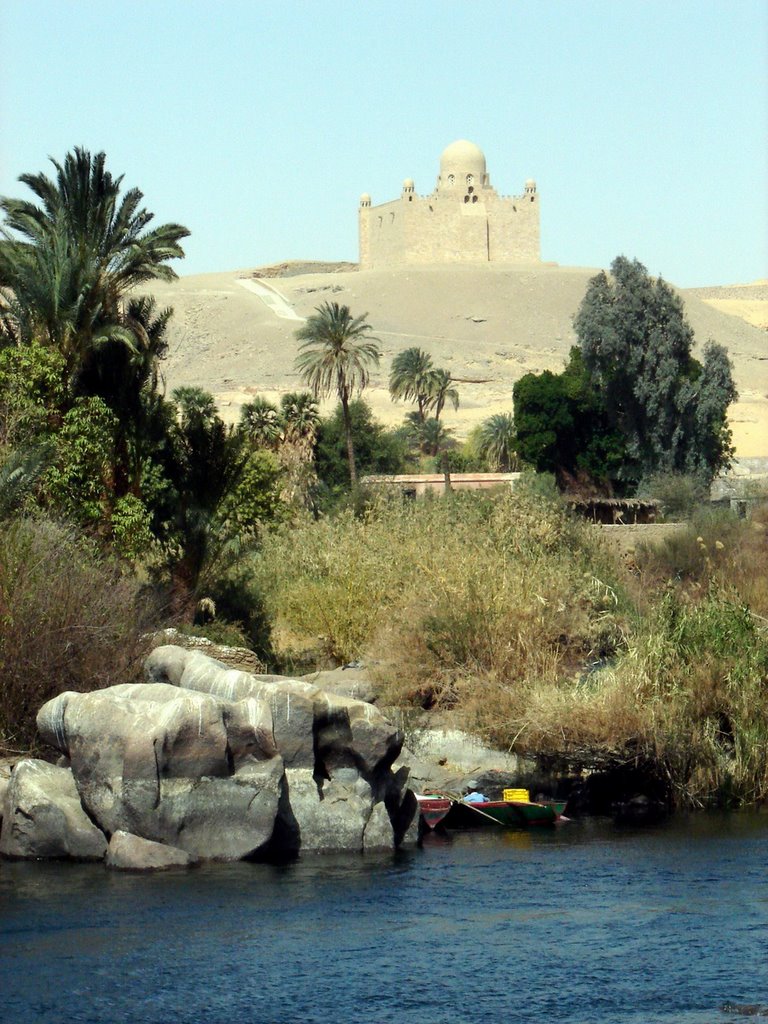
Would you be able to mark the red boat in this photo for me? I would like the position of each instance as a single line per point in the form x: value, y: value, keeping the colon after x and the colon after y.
x: 433, y: 809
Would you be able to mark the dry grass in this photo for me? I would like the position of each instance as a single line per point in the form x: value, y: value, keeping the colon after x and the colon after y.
x: 540, y: 639
x: 68, y: 621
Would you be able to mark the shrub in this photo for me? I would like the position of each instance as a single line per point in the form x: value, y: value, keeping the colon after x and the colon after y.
x: 679, y: 494
x: 69, y: 620
x: 438, y: 589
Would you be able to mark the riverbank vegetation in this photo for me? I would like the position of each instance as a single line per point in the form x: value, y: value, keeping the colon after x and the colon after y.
x: 124, y: 509
x: 540, y: 637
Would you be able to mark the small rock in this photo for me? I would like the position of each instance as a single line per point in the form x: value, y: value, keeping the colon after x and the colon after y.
x: 132, y: 853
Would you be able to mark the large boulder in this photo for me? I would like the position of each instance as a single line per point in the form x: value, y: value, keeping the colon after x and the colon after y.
x: 172, y: 766
x: 330, y: 738
x: 331, y: 815
x: 44, y: 818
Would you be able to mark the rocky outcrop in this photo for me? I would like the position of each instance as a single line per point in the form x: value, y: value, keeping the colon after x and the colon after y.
x: 234, y: 657
x: 219, y: 764
x: 44, y: 818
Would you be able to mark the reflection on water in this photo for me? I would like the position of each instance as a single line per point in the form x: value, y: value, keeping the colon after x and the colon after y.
x: 585, y: 924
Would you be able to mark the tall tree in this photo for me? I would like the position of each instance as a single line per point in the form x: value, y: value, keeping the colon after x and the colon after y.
x: 336, y: 354
x: 68, y: 261
x: 410, y: 378
x: 637, y: 349
x: 440, y: 391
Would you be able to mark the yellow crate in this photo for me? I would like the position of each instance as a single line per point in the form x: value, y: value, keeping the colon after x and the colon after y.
x: 517, y: 796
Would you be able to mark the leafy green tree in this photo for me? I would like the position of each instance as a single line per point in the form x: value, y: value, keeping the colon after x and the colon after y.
x: 496, y: 442
x: 377, y: 449
x: 78, y: 482
x: 561, y: 427
x: 337, y: 354
x: 256, y: 497
x: 636, y: 346
x: 32, y: 393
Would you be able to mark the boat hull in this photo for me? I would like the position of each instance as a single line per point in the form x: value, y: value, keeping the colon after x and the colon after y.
x: 503, y: 813
x: 433, y: 810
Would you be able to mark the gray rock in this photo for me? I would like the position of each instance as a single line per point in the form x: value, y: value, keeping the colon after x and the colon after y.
x: 331, y: 815
x: 44, y: 818
x: 5, y: 777
x: 132, y: 853
x: 309, y: 725
x: 157, y: 762
x: 223, y: 764
x: 345, y: 682
x: 378, y: 833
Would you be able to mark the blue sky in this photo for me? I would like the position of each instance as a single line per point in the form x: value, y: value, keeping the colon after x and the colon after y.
x: 258, y: 125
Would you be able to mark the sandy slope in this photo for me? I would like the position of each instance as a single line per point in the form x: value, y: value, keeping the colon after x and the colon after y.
x: 494, y: 322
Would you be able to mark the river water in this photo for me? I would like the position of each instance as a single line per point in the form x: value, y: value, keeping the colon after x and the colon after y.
x: 585, y: 923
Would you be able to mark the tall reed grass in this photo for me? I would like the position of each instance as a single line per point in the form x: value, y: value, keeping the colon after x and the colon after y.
x: 517, y: 618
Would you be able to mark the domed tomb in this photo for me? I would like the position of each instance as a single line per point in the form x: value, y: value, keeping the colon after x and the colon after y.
x: 464, y: 220
x: 461, y: 164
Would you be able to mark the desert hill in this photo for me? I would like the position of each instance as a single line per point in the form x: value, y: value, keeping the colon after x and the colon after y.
x: 233, y: 333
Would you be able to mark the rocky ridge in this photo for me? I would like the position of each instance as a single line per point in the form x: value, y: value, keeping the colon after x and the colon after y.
x: 205, y: 762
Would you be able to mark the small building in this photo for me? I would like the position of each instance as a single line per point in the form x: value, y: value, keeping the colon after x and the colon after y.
x: 464, y: 220
x: 416, y: 485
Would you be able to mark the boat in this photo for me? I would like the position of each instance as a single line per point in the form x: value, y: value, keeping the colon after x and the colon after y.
x: 452, y: 813
x: 503, y: 813
x: 433, y: 809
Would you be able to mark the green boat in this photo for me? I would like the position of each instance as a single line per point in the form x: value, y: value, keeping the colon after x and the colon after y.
x: 502, y: 813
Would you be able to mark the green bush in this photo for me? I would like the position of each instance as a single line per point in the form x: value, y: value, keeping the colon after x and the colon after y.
x: 679, y: 494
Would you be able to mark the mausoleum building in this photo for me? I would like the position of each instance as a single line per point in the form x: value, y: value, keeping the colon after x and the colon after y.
x: 464, y: 220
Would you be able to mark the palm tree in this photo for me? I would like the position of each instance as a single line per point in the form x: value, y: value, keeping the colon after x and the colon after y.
x: 429, y: 434
x: 260, y: 422
x: 439, y: 391
x: 128, y: 380
x: 497, y: 441
x: 67, y: 264
x: 409, y: 378
x: 300, y: 418
x: 337, y: 354
x: 19, y: 473
x: 209, y: 460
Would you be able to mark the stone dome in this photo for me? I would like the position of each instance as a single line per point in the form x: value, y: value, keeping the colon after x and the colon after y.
x: 408, y: 183
x: 365, y: 199
x: 462, y: 158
